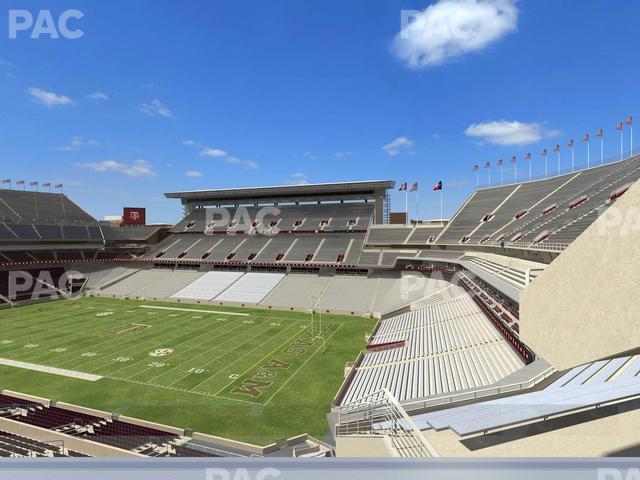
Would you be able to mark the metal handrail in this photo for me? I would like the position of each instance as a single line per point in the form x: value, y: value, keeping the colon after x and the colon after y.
x: 381, y: 409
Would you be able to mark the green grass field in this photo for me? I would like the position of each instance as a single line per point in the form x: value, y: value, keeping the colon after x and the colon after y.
x: 251, y: 375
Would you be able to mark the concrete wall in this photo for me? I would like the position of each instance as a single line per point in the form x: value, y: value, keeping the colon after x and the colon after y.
x: 585, y: 305
x: 364, y: 446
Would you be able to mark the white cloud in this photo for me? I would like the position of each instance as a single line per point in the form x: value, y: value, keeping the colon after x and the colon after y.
x: 341, y: 154
x: 206, y: 151
x: 212, y: 152
x: 297, y: 178
x: 451, y: 28
x: 193, y: 173
x: 397, y: 146
x: 310, y: 155
x: 505, y: 132
x: 139, y: 168
x: 77, y: 143
x: 49, y: 99
x: 98, y: 96
x: 156, y: 107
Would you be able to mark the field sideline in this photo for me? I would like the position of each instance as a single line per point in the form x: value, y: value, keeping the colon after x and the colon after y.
x: 251, y: 375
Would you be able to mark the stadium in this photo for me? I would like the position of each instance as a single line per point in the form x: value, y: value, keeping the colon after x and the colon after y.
x: 306, y: 321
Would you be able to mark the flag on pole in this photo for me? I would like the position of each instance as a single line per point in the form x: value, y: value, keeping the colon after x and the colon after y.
x: 629, y: 120
x: 438, y: 186
x: 414, y: 187
x: 475, y: 168
x: 500, y: 162
x: 487, y: 165
x: 46, y: 184
x: 58, y: 185
x: 619, y: 126
x: 514, y: 159
x: 544, y: 153
x: 6, y: 180
x: 33, y: 184
x: 20, y: 182
x: 556, y: 148
x: 600, y: 133
x: 403, y: 187
x: 585, y: 138
x: 570, y: 144
x: 527, y: 156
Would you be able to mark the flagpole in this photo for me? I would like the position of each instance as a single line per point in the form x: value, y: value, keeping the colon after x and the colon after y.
x: 441, y: 215
x: 602, y: 150
x: 529, y: 169
x: 558, y: 162
x: 501, y: 175
x: 515, y: 173
x: 417, y: 206
x: 406, y: 206
x: 478, y: 178
x: 621, y: 144
x: 588, y: 155
x: 573, y: 160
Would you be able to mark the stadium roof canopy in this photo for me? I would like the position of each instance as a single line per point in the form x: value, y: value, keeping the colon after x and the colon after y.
x: 284, y: 193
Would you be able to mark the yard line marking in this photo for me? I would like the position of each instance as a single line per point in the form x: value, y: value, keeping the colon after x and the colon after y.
x: 226, y: 352
x: 249, y: 352
x: 217, y: 312
x: 227, y: 340
x: 261, y: 360
x: 301, y: 366
x: 53, y: 370
x: 184, y: 390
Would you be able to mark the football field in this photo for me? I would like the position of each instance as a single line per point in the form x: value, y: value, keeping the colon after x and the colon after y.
x: 253, y: 375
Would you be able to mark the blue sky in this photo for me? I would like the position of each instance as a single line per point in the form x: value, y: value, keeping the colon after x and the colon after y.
x: 161, y: 95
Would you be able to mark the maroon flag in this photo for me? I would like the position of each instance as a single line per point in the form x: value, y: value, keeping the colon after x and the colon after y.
x: 414, y: 187
x: 438, y: 186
